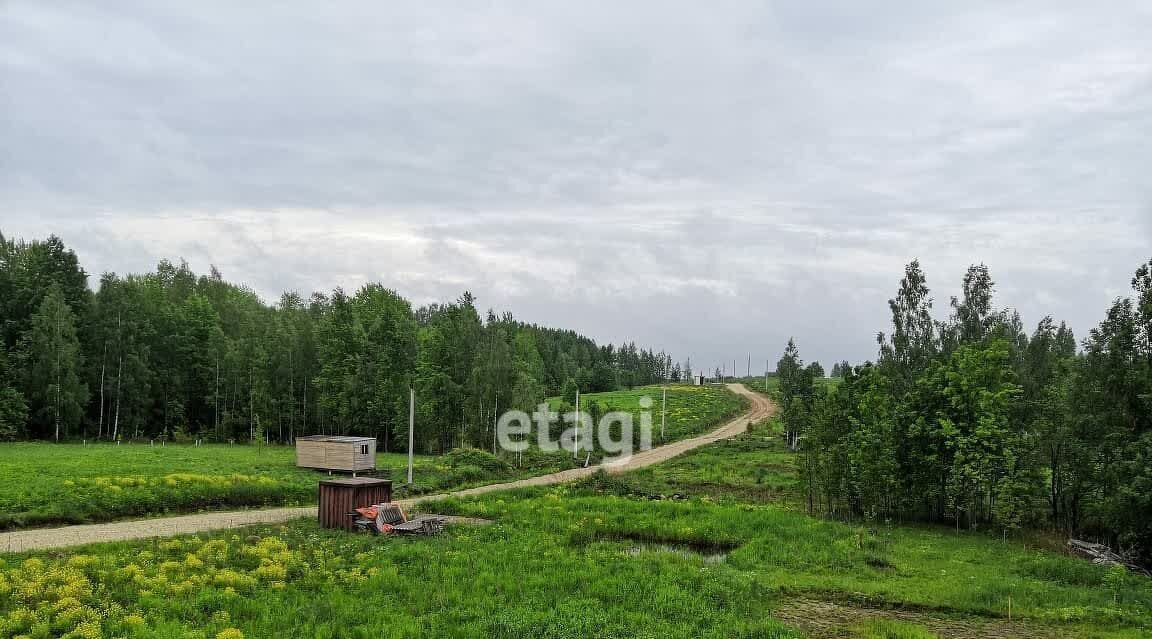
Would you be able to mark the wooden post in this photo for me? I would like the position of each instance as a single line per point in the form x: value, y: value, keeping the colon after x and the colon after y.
x: 411, y: 429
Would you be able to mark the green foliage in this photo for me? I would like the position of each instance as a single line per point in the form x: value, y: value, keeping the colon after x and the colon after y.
x: 50, y: 354
x: 974, y: 422
x: 172, y: 352
x: 796, y: 392
x: 1115, y: 580
x: 476, y: 458
x: 13, y: 413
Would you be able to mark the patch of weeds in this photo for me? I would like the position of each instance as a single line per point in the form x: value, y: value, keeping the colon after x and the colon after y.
x: 888, y: 629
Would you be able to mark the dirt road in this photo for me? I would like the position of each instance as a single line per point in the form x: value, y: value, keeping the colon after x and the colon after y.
x: 43, y: 538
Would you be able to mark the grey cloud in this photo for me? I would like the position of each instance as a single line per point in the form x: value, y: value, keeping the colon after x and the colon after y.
x: 711, y: 180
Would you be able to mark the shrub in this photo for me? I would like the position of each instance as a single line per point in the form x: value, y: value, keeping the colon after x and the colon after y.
x: 489, y: 463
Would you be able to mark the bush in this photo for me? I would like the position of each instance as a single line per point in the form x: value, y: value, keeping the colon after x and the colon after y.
x: 487, y: 462
x: 13, y: 413
x: 1064, y: 570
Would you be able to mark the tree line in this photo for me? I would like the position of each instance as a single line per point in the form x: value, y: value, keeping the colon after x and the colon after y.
x: 174, y: 354
x: 975, y: 422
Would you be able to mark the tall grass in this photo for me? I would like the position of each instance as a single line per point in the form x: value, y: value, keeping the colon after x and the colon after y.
x: 559, y: 563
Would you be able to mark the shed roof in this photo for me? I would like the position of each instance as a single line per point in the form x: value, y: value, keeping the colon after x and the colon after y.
x: 357, y: 481
x: 336, y: 438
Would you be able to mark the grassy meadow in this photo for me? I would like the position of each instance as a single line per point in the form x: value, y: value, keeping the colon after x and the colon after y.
x: 773, y: 383
x: 691, y: 410
x: 737, y: 558
x: 46, y: 484
x: 753, y: 468
x: 572, y: 561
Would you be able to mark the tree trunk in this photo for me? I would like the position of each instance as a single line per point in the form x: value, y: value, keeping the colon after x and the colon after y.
x: 216, y: 398
x: 119, y: 371
x: 103, y: 362
x: 251, y: 407
x: 116, y: 420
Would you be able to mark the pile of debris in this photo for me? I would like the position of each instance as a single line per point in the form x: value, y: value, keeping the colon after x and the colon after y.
x: 1102, y: 555
x: 659, y: 497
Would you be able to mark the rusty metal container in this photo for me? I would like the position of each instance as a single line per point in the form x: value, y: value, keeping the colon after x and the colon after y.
x: 338, y: 497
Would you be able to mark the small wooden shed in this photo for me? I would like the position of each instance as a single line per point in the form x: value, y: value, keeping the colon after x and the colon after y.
x: 334, y: 452
x: 338, y: 497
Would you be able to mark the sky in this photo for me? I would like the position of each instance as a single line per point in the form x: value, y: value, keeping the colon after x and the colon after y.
x: 705, y: 178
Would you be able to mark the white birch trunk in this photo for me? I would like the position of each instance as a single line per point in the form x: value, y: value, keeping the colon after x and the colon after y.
x: 103, y: 364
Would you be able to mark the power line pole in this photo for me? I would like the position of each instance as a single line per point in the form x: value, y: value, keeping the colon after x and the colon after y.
x: 495, y: 419
x: 663, y: 413
x: 411, y: 429
x: 576, y: 435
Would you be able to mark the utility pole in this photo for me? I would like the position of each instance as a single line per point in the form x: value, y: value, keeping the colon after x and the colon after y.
x: 766, y: 364
x: 495, y: 419
x: 663, y: 412
x: 411, y: 429
x: 59, y: 365
x: 576, y: 434
x: 749, y: 373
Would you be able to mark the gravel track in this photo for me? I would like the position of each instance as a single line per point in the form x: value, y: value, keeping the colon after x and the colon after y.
x: 46, y: 538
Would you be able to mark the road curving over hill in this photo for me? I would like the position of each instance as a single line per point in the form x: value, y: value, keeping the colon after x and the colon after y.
x: 47, y: 538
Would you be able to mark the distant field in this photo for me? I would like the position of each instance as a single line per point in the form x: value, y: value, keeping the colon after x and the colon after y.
x: 691, y: 410
x: 757, y: 383
x: 43, y: 483
x: 46, y: 484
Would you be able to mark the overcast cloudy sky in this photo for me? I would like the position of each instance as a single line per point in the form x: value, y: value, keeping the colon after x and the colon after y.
x: 706, y: 177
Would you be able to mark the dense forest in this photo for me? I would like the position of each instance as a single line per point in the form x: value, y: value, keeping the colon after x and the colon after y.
x: 171, y: 354
x: 974, y: 422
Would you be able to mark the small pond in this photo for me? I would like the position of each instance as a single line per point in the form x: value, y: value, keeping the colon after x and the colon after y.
x: 710, y: 554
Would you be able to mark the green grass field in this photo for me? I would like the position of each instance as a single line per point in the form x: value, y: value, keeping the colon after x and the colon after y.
x: 691, y: 410
x: 600, y: 559
x: 773, y: 383
x: 753, y: 468
x: 575, y: 561
x: 44, y: 484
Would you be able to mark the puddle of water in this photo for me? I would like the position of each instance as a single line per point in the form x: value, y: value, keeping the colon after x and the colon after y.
x: 710, y: 555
